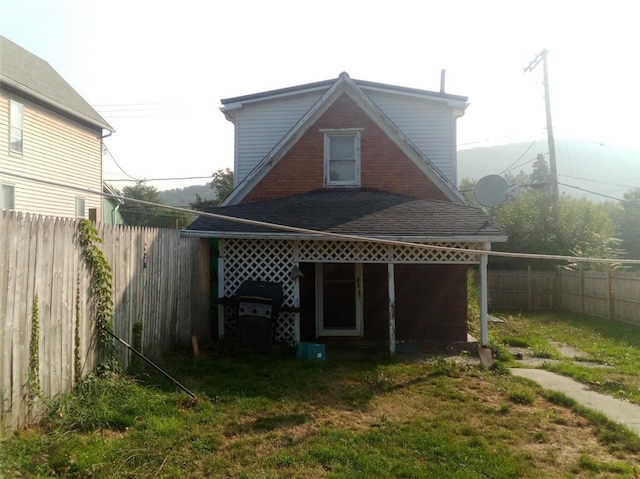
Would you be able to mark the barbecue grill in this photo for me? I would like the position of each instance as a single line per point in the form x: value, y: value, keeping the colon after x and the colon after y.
x: 259, y: 303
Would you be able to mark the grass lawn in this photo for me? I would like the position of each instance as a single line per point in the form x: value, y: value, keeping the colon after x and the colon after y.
x: 603, y: 354
x: 275, y: 417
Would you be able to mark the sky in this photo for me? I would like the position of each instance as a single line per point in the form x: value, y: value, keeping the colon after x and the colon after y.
x: 157, y: 70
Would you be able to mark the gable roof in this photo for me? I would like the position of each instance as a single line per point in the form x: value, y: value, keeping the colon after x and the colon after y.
x: 34, y: 78
x: 362, y: 212
x: 235, y: 102
x: 344, y: 84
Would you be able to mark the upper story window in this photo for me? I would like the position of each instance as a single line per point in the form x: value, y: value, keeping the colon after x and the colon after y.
x: 7, y: 197
x: 15, y: 126
x: 342, y: 157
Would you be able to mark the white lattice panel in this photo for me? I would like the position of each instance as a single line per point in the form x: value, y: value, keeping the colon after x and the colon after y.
x: 369, y: 252
x: 408, y: 254
x: 260, y: 260
x: 344, y: 252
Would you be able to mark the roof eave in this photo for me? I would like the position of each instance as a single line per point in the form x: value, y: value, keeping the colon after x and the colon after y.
x: 54, y: 104
x: 356, y: 237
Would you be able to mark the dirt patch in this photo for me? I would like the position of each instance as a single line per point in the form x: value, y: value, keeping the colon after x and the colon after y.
x: 525, y: 357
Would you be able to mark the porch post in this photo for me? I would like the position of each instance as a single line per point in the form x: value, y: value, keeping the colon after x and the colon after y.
x: 392, y: 308
x: 295, y: 268
x: 484, y: 324
x: 221, y: 307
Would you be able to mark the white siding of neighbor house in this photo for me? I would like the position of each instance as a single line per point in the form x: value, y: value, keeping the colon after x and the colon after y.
x: 429, y: 125
x: 259, y: 126
x: 55, y: 149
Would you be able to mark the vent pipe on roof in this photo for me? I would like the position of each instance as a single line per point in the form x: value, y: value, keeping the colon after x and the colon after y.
x: 443, y: 73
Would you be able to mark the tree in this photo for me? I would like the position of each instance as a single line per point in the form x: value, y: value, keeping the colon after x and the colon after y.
x: 222, y: 183
x: 577, y: 227
x: 136, y: 214
x: 466, y: 188
x: 541, y: 172
x: 628, y: 223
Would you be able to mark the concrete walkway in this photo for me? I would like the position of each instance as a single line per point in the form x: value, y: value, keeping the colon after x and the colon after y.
x: 617, y: 410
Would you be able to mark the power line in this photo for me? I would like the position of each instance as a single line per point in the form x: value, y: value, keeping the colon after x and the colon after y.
x: 328, y: 235
x: 104, y: 147
x: 510, y: 167
x: 485, y: 140
x: 599, y: 194
x: 167, y: 179
x: 599, y: 182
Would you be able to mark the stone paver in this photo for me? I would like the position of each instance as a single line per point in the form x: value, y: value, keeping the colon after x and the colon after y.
x: 615, y: 409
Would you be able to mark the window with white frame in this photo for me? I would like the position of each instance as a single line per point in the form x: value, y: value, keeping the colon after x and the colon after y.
x: 80, y: 208
x: 15, y: 126
x: 342, y: 157
x: 7, y: 197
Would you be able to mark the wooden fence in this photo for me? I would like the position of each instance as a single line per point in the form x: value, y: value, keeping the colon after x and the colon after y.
x: 611, y: 294
x: 160, y: 281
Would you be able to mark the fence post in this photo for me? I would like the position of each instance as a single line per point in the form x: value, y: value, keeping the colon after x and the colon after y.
x: 610, y: 298
x: 556, y: 298
x: 581, y: 289
x: 529, y: 289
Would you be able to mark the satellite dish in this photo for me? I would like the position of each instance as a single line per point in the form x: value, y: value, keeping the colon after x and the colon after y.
x: 491, y: 190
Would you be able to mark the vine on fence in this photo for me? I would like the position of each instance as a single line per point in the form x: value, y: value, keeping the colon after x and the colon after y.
x: 77, y: 364
x: 33, y: 376
x: 100, y: 286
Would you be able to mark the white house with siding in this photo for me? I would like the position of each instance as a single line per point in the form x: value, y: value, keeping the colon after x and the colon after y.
x: 48, y: 135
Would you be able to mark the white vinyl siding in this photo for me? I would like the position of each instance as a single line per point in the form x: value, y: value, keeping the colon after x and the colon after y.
x: 55, y: 149
x: 261, y: 125
x: 429, y: 125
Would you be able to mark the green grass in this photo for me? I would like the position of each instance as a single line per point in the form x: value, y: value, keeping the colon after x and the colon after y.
x: 613, y: 345
x: 275, y: 417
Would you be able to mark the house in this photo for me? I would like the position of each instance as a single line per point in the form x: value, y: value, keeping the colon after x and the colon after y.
x: 49, y: 136
x: 346, y: 190
x: 111, y: 206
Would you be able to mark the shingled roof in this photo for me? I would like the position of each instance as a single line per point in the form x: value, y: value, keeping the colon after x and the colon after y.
x: 34, y: 78
x: 359, y: 212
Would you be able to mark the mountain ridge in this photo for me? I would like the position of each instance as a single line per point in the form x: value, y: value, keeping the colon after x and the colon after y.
x: 587, y: 169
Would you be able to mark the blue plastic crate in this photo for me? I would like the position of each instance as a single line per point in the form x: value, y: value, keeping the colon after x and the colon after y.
x: 311, y: 351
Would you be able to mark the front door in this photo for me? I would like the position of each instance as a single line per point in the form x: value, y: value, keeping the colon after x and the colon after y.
x: 339, y: 299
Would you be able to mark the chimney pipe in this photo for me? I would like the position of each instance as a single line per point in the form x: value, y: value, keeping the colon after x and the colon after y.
x: 442, y: 75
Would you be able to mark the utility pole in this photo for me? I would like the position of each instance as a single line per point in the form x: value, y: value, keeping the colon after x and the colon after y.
x: 542, y: 56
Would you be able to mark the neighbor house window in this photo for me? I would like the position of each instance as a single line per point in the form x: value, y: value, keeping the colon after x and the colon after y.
x: 7, y: 197
x: 15, y: 126
x: 342, y: 157
x: 80, y: 212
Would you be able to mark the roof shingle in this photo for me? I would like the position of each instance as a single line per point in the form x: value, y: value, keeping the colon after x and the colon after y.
x: 358, y: 212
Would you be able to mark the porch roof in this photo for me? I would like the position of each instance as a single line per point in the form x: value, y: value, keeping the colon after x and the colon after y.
x: 358, y: 212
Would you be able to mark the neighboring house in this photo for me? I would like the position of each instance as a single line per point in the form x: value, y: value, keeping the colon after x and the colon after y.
x: 111, y: 206
x: 374, y: 167
x: 49, y: 135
